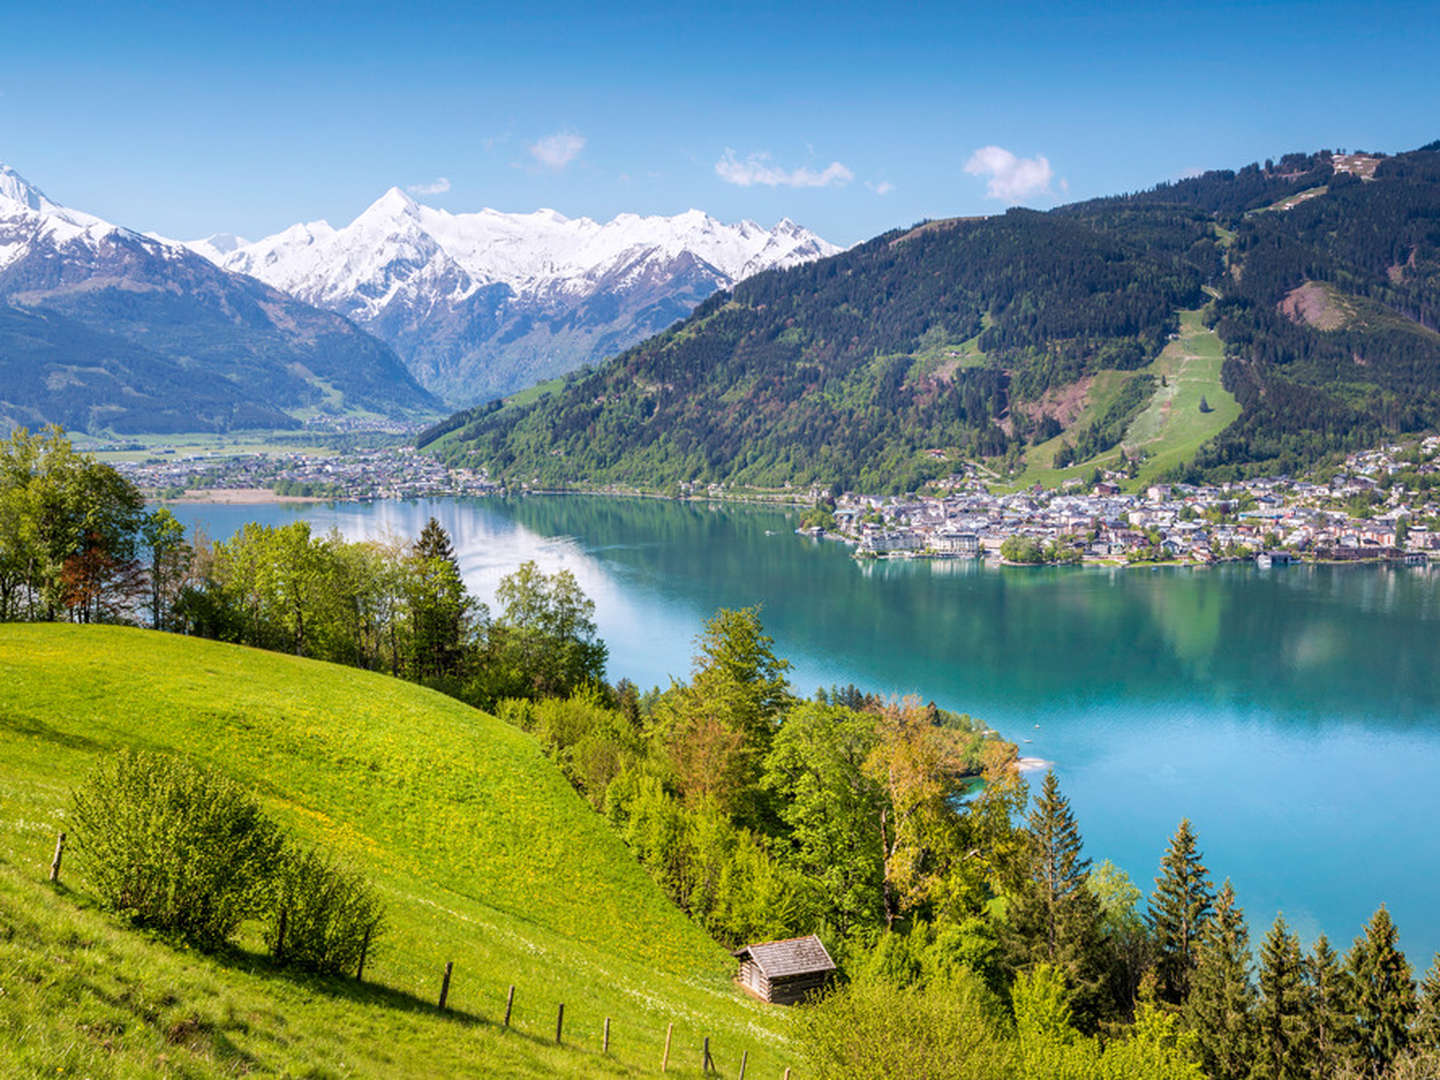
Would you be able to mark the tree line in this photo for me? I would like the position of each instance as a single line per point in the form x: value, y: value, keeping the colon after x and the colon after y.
x: 77, y: 544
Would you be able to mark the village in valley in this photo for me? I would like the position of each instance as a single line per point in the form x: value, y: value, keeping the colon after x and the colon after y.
x: 1376, y: 504
x: 388, y: 472
x: 1365, y: 510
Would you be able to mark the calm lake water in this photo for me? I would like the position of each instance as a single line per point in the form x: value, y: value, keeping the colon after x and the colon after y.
x: 1293, y: 714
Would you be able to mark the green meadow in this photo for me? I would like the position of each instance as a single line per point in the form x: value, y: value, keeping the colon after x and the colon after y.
x: 1170, y: 429
x: 482, y: 852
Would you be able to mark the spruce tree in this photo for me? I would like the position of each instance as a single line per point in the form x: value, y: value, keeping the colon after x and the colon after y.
x: 1332, y: 1034
x: 440, y: 608
x: 1179, y: 909
x: 1384, y: 994
x: 1425, y: 1032
x: 1055, y: 919
x: 434, y: 543
x: 1220, y: 1005
x: 1282, y: 1020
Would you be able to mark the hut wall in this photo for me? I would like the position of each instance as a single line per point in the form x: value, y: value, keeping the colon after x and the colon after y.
x: 754, y: 979
x: 795, y: 989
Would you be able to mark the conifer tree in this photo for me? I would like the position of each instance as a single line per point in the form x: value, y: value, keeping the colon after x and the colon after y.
x: 1282, y: 1049
x: 1219, y: 1008
x: 440, y: 608
x: 1425, y: 1032
x: 1383, y: 994
x: 1332, y: 1033
x: 434, y: 543
x: 1179, y: 909
x: 1055, y: 919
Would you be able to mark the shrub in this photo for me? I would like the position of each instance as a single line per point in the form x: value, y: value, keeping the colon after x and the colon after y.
x: 324, y: 915
x: 875, y: 1029
x: 174, y: 847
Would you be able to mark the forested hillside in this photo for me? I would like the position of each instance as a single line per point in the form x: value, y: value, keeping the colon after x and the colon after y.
x: 888, y: 365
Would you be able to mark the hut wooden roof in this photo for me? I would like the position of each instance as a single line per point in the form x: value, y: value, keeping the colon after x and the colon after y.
x: 794, y: 956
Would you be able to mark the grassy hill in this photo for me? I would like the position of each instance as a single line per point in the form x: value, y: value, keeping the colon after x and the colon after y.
x: 482, y: 852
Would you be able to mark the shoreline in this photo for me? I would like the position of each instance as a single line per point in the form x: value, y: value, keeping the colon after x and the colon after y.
x: 253, y: 496
x: 235, y: 496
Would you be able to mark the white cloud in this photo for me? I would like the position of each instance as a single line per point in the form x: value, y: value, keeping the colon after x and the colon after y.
x: 558, y: 150
x: 438, y: 186
x: 759, y: 169
x: 884, y: 187
x: 1011, y: 178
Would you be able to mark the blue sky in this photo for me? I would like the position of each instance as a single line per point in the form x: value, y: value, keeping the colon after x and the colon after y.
x: 849, y: 118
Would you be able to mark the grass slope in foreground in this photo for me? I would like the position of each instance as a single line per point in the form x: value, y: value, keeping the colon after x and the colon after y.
x: 482, y: 852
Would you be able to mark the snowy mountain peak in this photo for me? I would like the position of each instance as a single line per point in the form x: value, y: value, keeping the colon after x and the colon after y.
x: 26, y: 211
x: 393, y: 203
x: 217, y: 246
x: 18, y: 196
x: 543, y: 252
x: 17, y: 189
x: 527, y: 294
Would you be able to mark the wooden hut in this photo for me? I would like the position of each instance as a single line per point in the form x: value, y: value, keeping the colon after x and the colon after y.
x: 784, y: 972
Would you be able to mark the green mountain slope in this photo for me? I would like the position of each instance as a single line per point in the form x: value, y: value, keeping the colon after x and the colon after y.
x: 982, y: 338
x: 483, y: 853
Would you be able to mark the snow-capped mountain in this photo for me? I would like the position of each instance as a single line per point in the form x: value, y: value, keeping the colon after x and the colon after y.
x: 480, y: 304
x: 104, y: 327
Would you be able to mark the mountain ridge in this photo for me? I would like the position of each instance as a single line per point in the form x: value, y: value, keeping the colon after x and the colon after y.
x: 483, y: 303
x: 105, y: 328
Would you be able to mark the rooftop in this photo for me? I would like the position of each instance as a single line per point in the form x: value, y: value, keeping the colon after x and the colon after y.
x: 793, y: 956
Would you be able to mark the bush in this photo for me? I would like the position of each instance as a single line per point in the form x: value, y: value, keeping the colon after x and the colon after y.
x: 173, y: 847
x: 875, y: 1029
x: 324, y: 916
x: 1022, y: 549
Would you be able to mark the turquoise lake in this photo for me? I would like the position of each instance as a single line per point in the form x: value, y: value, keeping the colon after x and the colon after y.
x: 1292, y: 714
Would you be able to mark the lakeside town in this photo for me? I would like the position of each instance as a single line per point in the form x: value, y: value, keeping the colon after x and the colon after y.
x: 1376, y: 504
x: 389, y: 472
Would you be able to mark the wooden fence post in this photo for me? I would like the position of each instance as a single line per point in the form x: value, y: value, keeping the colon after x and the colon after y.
x: 280, y: 935
x: 55, y: 862
x: 509, y: 1004
x: 559, y: 1021
x: 744, y: 1060
x: 605, y: 1048
x: 665, y: 1061
x: 445, y: 986
x: 364, y: 948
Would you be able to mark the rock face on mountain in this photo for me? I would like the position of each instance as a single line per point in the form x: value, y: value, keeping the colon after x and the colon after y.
x: 481, y: 304
x: 104, y: 328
